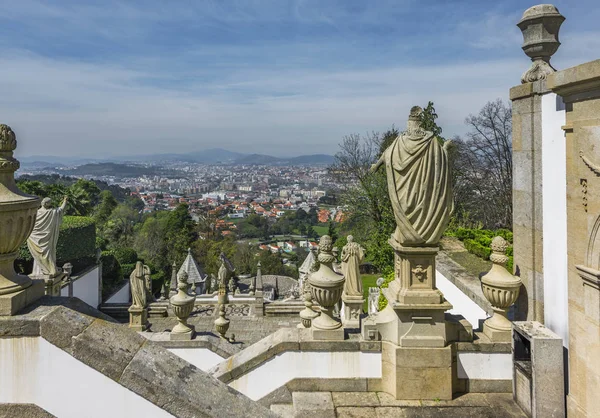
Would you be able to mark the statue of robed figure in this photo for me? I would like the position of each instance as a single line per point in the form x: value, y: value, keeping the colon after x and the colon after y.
x: 44, y: 237
x: 137, y: 281
x: 352, y: 256
x: 419, y: 184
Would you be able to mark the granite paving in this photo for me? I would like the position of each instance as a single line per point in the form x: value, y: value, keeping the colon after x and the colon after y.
x: 382, y: 405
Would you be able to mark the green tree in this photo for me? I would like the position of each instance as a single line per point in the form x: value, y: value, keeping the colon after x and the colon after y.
x: 105, y: 208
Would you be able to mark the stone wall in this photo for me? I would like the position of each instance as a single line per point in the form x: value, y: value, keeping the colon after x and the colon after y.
x: 580, y: 88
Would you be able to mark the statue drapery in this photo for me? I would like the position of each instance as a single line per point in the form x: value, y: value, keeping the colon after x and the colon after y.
x: 419, y: 184
x: 352, y: 256
x: 43, y: 239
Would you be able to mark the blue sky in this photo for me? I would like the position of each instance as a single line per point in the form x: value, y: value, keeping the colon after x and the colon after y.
x: 106, y: 78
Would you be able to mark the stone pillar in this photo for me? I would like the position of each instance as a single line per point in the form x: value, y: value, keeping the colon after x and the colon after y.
x: 580, y: 89
x: 259, y: 301
x: 540, y: 26
x: 17, y: 218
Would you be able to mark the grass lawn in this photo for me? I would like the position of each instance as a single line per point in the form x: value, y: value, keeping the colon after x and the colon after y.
x: 369, y: 280
x: 321, y: 230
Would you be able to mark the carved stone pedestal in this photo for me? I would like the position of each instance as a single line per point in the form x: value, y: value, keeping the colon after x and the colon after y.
x: 414, y: 316
x: 138, y: 318
x: 417, y: 373
x: 11, y: 303
x: 52, y: 285
x: 352, y: 311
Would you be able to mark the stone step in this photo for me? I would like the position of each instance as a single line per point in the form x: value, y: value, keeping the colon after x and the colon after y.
x: 284, y: 410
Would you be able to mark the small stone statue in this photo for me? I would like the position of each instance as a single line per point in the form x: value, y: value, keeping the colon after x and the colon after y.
x: 44, y: 237
x: 138, y: 286
x: 352, y: 256
x: 225, y: 270
x: 138, y: 313
x: 419, y: 184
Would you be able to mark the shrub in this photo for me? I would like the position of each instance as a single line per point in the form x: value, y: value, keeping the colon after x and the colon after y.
x: 127, y: 269
x: 125, y: 255
x: 77, y: 242
x: 388, y: 277
x: 474, y: 247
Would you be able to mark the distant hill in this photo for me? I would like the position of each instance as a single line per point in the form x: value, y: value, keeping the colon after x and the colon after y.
x: 257, y: 159
x: 208, y: 156
x: 261, y: 159
x: 313, y: 159
x: 112, y: 169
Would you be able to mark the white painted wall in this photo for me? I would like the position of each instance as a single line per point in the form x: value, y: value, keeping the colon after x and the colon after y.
x: 554, y: 205
x: 34, y: 371
x: 202, y: 358
x: 121, y: 296
x: 488, y: 366
x: 289, y: 365
x: 86, y: 287
x: 461, y: 303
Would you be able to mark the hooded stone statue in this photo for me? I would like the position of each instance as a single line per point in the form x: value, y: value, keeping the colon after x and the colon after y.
x: 419, y: 184
x: 137, y: 280
x: 44, y: 237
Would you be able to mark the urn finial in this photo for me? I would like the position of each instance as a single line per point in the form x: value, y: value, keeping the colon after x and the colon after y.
x: 540, y: 26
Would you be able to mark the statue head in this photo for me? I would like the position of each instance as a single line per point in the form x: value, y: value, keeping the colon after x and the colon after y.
x: 350, y: 239
x: 46, y: 203
x: 413, y: 127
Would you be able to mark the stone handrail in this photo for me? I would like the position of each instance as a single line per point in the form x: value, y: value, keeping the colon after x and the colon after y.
x: 129, y: 359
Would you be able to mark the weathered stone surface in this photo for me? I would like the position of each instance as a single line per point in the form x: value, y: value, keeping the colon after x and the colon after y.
x: 467, y: 283
x: 355, y: 412
x: 385, y: 399
x: 23, y: 410
x: 355, y: 399
x: 313, y: 404
x: 107, y: 347
x: 62, y: 324
x: 183, y: 390
x: 281, y: 395
x: 283, y: 410
x: 328, y: 385
x: 12, y: 303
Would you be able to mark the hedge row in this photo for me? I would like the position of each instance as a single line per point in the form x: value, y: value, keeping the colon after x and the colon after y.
x: 478, y: 242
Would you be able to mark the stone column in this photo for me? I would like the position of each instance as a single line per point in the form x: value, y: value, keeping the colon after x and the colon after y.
x: 540, y: 26
x: 580, y: 89
x: 259, y: 301
x: 17, y: 218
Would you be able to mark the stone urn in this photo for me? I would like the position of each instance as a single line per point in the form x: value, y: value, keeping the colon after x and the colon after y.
x: 308, y: 313
x: 182, y: 305
x: 540, y: 25
x: 222, y: 323
x: 17, y: 215
x: 326, y: 287
x: 501, y: 289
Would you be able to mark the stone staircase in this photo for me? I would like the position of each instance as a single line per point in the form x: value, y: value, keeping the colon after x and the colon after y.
x: 379, y: 404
